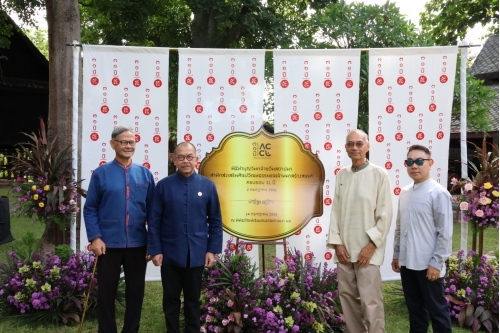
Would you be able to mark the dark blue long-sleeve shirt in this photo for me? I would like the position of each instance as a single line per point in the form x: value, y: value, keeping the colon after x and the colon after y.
x: 117, y: 205
x: 186, y: 218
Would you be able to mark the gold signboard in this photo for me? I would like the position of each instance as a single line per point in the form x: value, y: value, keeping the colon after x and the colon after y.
x: 270, y: 186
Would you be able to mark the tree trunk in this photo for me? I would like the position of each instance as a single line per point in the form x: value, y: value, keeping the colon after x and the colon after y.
x: 63, y: 20
x: 205, y: 31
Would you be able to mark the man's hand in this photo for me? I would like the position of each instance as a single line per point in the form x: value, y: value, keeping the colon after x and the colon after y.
x: 365, y: 255
x: 98, y: 247
x: 395, y: 265
x: 157, y: 259
x: 432, y: 273
x: 342, y: 254
x: 209, y: 259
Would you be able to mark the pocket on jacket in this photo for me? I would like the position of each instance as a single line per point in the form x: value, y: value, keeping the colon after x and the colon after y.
x: 141, y: 192
x: 107, y: 224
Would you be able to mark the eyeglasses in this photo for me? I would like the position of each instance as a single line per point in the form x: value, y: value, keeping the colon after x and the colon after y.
x: 419, y: 161
x: 124, y: 143
x: 358, y: 144
x: 182, y: 157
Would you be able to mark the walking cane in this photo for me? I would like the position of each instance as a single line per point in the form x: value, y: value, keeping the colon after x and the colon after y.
x: 88, y: 295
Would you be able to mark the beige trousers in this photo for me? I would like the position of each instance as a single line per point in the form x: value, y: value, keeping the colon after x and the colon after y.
x: 360, y: 291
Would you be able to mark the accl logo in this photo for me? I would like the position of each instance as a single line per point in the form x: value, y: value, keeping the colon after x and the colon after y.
x: 262, y: 150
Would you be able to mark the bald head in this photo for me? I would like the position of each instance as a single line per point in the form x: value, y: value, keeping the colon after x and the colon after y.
x: 357, y: 131
x: 185, y: 145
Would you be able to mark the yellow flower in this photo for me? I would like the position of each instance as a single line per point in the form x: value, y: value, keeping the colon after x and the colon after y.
x: 461, y: 293
x: 19, y: 296
x: 46, y: 287
x: 30, y: 283
x: 33, y: 188
x: 35, y: 197
x: 309, y: 306
x: 41, y: 204
x: 318, y: 327
x: 495, y: 193
x: 489, y: 201
x: 487, y: 186
x: 46, y: 187
x: 24, y: 269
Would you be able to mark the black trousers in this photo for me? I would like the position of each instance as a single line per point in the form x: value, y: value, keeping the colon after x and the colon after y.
x: 108, y: 276
x: 425, y: 299
x: 175, y: 279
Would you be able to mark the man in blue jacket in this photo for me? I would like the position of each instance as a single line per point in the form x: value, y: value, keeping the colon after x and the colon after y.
x: 116, y: 210
x: 185, y: 233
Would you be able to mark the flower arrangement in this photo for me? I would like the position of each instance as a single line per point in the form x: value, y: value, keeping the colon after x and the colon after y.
x: 479, y: 198
x: 297, y: 296
x: 46, y: 187
x: 479, y: 203
x: 45, y: 288
x: 45, y: 201
x: 471, y: 287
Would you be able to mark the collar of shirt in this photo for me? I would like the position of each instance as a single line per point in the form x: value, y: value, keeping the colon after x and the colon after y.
x: 124, y: 166
x: 184, y: 179
x: 361, y: 167
x: 419, y: 185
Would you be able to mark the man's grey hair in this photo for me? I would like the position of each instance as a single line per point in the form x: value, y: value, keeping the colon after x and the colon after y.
x: 119, y: 130
x: 359, y: 131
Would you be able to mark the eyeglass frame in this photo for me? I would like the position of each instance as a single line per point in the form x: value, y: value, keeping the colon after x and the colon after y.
x: 131, y: 143
x: 351, y: 144
x: 415, y: 161
x: 188, y: 158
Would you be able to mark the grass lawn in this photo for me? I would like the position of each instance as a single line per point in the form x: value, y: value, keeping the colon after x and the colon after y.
x: 490, y: 239
x: 18, y: 227
x: 152, y: 319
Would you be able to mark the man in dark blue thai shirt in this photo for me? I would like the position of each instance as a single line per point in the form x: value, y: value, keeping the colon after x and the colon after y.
x: 185, y: 233
x: 116, y: 210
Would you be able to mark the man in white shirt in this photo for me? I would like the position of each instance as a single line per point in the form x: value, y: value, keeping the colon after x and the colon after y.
x: 359, y: 223
x: 422, y: 243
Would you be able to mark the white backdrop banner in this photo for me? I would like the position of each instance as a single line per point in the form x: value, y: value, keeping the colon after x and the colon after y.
x: 316, y: 96
x: 410, y: 98
x: 220, y: 91
x: 125, y: 86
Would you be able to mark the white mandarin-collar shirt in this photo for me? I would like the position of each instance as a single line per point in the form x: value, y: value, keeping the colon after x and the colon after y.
x: 424, y: 226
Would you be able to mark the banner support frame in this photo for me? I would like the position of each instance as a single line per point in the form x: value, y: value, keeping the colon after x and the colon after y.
x: 282, y: 241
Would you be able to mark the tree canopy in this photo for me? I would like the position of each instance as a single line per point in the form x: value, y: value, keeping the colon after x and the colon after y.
x: 277, y: 24
x: 357, y: 25
x: 449, y: 20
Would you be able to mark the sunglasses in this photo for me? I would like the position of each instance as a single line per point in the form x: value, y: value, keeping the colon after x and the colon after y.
x: 419, y: 161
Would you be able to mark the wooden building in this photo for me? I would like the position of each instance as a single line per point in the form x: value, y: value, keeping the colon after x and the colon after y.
x: 24, y: 92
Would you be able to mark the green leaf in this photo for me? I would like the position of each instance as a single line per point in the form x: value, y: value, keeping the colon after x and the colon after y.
x: 479, y: 311
x: 469, y: 320
x: 461, y: 317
